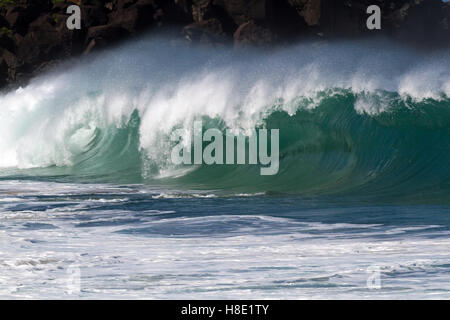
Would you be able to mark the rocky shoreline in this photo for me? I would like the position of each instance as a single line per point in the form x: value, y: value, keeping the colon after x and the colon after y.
x: 34, y: 36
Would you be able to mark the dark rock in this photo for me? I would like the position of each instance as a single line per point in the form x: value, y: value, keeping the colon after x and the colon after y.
x: 310, y: 10
x: 6, y: 39
x: 418, y: 21
x: 8, y: 60
x: 3, y: 73
x: 3, y: 22
x: 133, y: 16
x: 242, y: 11
x: 46, y: 39
x: 12, y: 16
x: 250, y: 33
x: 100, y: 36
x: 343, y: 18
x: 206, y: 32
x: 201, y: 10
x: 283, y: 19
x: 93, y: 15
x: 185, y: 6
x: 19, y: 17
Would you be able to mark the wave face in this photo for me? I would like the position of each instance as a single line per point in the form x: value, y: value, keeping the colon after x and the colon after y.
x: 355, y: 118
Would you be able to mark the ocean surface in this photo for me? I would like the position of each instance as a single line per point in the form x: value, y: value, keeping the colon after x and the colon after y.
x: 91, y: 205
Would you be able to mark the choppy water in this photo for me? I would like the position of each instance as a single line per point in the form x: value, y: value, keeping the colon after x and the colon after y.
x: 135, y: 242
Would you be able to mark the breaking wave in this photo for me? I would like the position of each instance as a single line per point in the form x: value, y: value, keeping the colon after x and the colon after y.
x: 355, y: 118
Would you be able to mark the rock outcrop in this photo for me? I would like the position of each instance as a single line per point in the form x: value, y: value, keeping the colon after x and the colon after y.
x: 34, y: 36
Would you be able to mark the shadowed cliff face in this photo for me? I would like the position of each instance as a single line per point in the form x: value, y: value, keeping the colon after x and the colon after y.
x: 34, y: 36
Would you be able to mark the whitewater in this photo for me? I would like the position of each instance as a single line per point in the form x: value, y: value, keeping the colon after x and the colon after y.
x: 91, y: 205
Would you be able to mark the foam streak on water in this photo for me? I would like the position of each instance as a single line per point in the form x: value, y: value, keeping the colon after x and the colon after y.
x: 127, y: 244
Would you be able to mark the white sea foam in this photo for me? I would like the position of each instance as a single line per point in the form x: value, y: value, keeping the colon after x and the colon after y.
x: 151, y: 253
